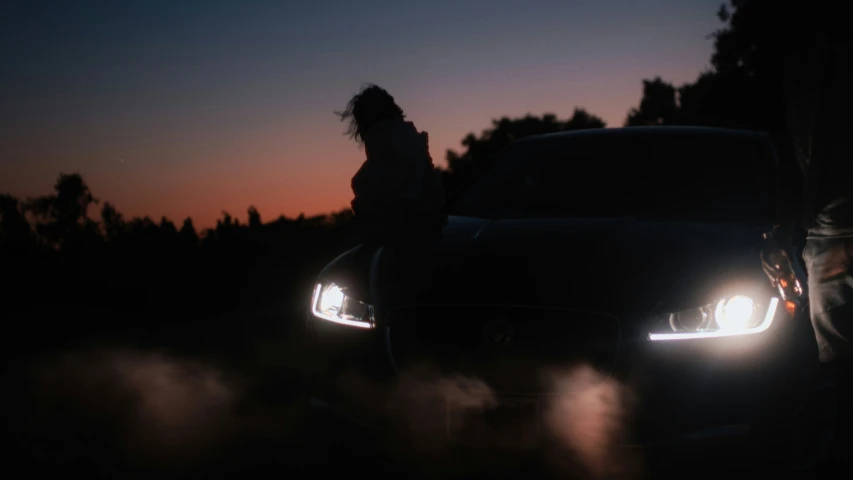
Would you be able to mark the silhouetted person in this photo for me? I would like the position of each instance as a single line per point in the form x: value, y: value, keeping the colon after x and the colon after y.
x: 398, y: 192
x: 819, y: 106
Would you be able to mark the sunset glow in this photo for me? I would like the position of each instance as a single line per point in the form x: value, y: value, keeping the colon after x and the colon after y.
x: 206, y: 107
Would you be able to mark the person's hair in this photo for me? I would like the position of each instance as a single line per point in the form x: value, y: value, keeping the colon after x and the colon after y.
x: 368, y: 107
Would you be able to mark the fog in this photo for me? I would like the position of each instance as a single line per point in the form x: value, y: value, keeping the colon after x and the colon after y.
x: 162, y: 409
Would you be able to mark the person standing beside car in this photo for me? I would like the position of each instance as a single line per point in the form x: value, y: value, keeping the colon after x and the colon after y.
x: 818, y: 86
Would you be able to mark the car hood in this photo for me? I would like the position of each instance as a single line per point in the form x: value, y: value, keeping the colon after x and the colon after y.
x: 615, y: 265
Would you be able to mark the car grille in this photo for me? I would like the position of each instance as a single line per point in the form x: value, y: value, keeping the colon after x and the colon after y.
x: 512, y: 349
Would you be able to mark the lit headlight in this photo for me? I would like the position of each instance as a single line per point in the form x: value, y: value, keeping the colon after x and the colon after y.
x: 330, y: 302
x: 738, y: 315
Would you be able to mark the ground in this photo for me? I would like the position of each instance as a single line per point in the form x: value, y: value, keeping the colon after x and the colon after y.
x: 229, y: 403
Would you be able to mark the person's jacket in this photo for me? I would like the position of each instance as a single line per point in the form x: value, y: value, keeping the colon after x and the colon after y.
x: 398, y: 186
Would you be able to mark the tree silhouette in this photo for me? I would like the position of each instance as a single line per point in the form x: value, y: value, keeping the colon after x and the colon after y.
x: 226, y: 223
x: 188, y: 233
x: 657, y: 107
x: 167, y: 228
x: 254, y: 218
x: 62, y: 217
x: 113, y: 223
x: 15, y: 232
x: 714, y: 99
x: 743, y: 88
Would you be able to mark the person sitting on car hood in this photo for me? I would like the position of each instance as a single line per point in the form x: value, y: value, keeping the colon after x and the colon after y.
x: 398, y: 192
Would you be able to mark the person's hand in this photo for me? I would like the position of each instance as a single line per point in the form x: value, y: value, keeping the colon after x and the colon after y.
x: 777, y: 265
x: 770, y: 268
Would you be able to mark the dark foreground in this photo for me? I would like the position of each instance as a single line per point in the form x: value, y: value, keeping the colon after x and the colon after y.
x: 227, y: 397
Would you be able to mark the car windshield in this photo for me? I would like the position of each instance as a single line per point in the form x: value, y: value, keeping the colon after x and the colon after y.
x: 688, y: 176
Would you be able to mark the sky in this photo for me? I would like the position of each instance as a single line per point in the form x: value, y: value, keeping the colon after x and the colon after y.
x: 191, y: 108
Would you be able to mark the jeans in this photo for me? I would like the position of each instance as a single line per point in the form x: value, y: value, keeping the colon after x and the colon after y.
x: 829, y: 262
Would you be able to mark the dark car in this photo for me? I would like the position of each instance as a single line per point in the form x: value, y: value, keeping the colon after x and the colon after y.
x: 591, y: 287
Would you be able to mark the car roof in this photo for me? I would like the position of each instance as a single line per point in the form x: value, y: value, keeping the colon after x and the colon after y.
x: 625, y: 132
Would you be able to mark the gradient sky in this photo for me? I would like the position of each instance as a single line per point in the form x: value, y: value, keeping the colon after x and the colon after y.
x: 188, y: 108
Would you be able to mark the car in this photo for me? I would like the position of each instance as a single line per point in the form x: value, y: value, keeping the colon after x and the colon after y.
x: 590, y: 287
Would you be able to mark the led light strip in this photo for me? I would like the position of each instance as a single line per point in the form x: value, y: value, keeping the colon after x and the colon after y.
x: 332, y: 318
x: 768, y: 320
